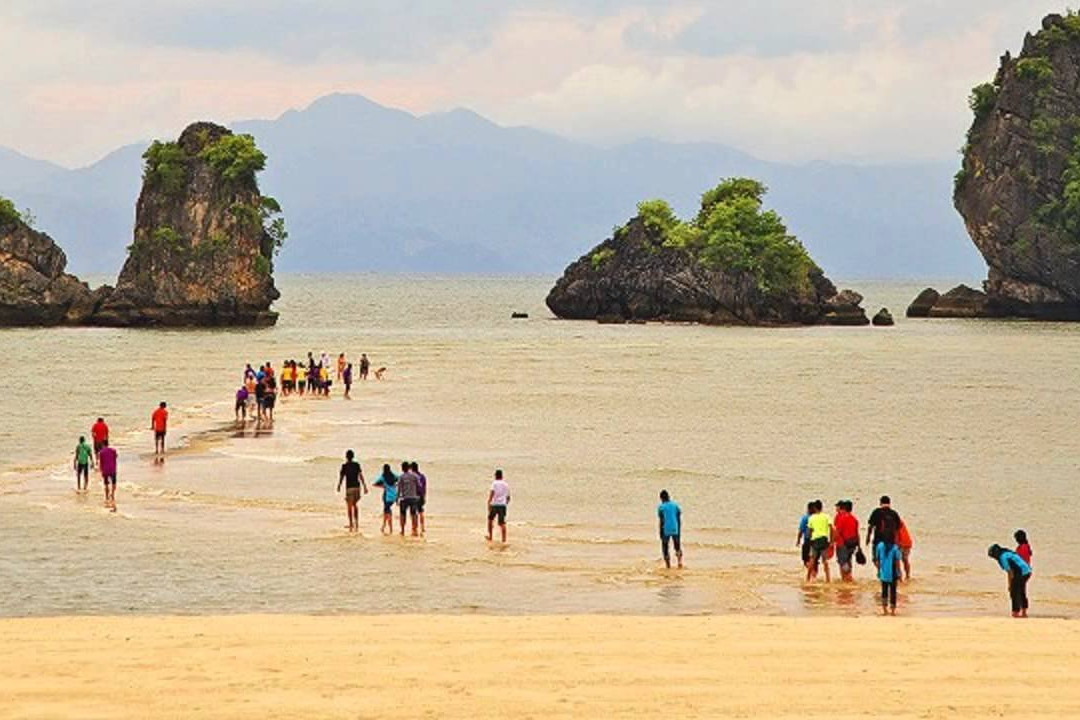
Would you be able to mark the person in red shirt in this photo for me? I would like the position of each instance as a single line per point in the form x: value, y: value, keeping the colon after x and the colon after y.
x: 1023, y: 547
x: 158, y: 423
x: 99, y: 433
x: 846, y: 530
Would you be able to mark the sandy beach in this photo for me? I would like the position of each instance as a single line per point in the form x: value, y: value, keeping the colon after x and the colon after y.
x: 533, y: 667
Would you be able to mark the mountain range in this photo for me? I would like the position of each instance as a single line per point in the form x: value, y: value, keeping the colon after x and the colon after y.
x: 366, y: 187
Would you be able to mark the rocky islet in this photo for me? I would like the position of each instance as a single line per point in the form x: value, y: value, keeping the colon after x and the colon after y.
x: 202, y: 254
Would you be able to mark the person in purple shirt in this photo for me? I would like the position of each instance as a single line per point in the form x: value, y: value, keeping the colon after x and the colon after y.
x: 241, y: 404
x: 421, y: 484
x: 107, y: 464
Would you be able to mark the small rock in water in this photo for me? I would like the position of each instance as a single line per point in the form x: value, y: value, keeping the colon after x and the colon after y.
x: 884, y: 318
x: 519, y: 316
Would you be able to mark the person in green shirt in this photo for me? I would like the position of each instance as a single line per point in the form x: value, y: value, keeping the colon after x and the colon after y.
x: 821, y: 535
x: 84, y: 460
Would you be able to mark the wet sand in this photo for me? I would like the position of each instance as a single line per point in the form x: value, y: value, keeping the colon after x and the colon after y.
x: 537, y: 667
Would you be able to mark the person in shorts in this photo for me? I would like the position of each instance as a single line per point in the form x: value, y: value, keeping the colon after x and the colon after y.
x: 241, y: 404
x: 352, y: 475
x: 498, y: 500
x: 83, y: 461
x: 847, y: 539
x: 107, y: 459
x: 821, y: 532
x: 159, y: 422
x: 388, y: 481
x: 409, y: 496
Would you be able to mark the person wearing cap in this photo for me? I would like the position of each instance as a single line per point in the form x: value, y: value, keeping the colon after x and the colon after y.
x: 846, y: 527
x: 1019, y: 573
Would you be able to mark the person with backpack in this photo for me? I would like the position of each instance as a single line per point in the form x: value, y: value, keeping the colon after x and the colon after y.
x: 884, y: 522
x: 887, y: 558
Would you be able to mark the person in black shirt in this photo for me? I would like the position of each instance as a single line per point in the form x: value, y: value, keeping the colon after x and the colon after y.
x: 884, y: 523
x: 353, y: 478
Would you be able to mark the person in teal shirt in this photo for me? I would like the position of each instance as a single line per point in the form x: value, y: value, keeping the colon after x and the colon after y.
x: 1019, y: 572
x: 887, y: 557
x: 670, y: 515
x: 84, y: 460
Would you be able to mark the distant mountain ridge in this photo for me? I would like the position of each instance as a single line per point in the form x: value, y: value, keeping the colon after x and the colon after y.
x: 366, y: 187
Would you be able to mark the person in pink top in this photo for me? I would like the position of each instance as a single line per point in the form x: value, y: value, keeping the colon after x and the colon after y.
x: 107, y: 464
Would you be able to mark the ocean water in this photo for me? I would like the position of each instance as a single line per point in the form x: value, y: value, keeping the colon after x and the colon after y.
x: 971, y: 426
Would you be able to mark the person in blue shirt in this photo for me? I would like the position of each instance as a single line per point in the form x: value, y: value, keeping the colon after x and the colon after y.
x: 803, y: 538
x: 1019, y: 573
x: 887, y: 557
x: 388, y: 481
x: 670, y: 515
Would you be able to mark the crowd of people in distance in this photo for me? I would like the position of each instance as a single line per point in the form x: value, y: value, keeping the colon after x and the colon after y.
x: 257, y: 394
x: 104, y: 458
x: 821, y: 538
x: 408, y: 492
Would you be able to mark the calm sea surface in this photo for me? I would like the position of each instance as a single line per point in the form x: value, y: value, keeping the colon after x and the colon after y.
x: 973, y: 427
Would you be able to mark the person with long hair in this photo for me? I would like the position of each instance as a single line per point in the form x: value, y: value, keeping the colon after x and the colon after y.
x: 388, y: 482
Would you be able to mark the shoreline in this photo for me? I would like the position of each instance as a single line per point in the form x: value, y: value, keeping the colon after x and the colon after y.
x: 302, y: 666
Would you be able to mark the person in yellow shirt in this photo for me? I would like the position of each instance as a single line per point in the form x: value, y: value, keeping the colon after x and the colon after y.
x: 821, y: 534
x: 324, y: 380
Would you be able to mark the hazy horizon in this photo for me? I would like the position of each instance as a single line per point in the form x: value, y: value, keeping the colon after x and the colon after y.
x: 864, y: 82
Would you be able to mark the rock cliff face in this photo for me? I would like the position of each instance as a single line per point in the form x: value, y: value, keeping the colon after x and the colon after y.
x: 34, y: 289
x: 634, y: 276
x: 1019, y: 188
x: 200, y: 254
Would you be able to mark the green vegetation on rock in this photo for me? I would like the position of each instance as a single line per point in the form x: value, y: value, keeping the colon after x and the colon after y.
x: 600, y: 257
x: 1036, y: 68
x: 982, y: 99
x: 733, y: 233
x: 166, y: 167
x: 9, y: 215
x: 234, y: 157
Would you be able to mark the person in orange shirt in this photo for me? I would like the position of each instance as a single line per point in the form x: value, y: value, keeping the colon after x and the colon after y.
x: 158, y: 423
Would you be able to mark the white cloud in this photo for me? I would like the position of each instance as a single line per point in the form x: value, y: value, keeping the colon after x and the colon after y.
x: 790, y: 79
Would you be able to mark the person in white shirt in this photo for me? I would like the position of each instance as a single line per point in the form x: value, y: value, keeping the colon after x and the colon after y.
x: 498, y: 499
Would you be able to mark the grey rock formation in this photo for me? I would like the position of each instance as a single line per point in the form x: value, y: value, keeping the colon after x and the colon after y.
x: 883, y: 318
x: 921, y: 305
x: 1018, y: 188
x: 634, y: 277
x: 34, y: 289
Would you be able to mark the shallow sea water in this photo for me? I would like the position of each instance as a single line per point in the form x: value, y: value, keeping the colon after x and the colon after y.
x: 969, y: 425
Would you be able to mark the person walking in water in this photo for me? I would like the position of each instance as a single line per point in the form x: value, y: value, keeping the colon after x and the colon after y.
x: 1019, y: 573
x: 408, y: 497
x: 670, y: 515
x: 388, y: 481
x: 421, y: 483
x: 99, y: 433
x: 83, y: 461
x: 887, y: 558
x: 802, y: 539
x: 159, y: 422
x: 498, y: 500
x: 107, y: 464
x: 352, y: 475
x: 365, y: 366
x: 346, y: 378
x: 847, y: 539
x: 821, y: 531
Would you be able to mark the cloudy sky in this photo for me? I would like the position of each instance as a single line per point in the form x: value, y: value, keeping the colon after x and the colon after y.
x: 862, y: 80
